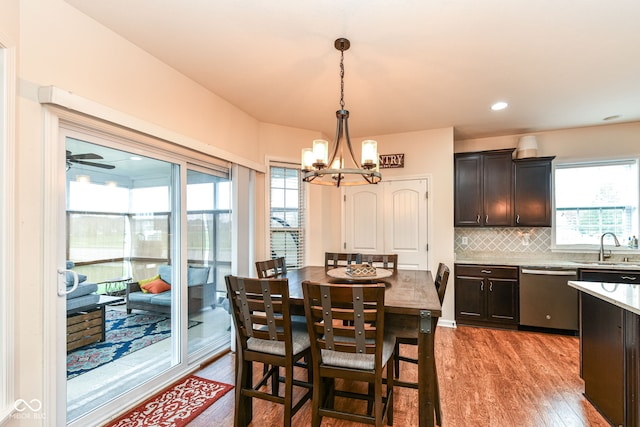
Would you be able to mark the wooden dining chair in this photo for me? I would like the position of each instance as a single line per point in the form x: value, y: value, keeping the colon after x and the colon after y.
x: 271, y: 268
x: 340, y: 259
x: 442, y: 277
x: 265, y: 333
x: 388, y: 262
x: 357, y: 353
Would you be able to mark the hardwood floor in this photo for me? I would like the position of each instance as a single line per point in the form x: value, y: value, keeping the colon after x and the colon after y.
x: 487, y: 377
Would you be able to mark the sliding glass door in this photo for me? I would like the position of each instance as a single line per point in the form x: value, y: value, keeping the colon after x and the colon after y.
x: 140, y: 307
x: 208, y: 247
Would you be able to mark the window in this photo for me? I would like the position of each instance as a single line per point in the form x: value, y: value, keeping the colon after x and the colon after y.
x: 287, y: 214
x: 594, y: 198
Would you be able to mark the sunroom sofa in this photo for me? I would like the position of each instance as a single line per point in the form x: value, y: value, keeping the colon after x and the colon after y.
x: 200, y: 293
x: 84, y: 295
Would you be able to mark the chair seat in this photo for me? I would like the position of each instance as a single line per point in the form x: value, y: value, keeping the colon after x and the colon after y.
x: 299, y: 337
x: 358, y: 361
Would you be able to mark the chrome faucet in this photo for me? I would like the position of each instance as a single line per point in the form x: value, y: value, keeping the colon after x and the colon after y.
x: 602, y: 255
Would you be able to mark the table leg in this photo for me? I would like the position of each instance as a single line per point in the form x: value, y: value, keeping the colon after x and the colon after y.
x: 426, y: 368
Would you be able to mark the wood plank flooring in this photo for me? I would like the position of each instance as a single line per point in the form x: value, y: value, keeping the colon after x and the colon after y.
x: 488, y: 377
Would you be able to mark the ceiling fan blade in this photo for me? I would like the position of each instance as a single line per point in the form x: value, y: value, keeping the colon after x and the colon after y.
x: 90, y: 156
x: 98, y: 165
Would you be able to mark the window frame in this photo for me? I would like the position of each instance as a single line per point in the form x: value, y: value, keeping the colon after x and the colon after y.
x: 592, y: 163
x: 7, y: 224
x: 302, y: 210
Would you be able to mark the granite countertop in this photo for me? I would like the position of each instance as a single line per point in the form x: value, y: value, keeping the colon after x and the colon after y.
x: 550, y: 263
x: 626, y: 296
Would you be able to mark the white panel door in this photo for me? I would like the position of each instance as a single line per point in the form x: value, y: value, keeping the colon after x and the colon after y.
x: 363, y: 219
x: 390, y: 217
x: 405, y: 222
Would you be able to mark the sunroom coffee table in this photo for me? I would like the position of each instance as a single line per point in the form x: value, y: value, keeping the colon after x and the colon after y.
x: 85, y: 325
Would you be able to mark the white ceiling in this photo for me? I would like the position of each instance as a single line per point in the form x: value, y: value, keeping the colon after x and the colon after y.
x: 413, y: 64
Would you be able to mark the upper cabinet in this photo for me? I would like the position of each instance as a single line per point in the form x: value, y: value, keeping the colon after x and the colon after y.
x: 532, y: 192
x: 493, y: 190
x: 483, y: 192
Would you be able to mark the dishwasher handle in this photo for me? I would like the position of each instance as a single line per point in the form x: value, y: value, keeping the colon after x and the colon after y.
x: 549, y: 272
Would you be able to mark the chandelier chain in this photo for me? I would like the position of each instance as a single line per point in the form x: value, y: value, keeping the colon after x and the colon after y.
x: 342, y: 79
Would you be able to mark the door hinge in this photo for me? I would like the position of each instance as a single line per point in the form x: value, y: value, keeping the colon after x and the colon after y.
x: 426, y: 195
x: 427, y: 247
x: 344, y: 245
x: 344, y: 198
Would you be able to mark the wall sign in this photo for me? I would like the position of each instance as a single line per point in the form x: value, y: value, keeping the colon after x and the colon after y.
x: 391, y: 161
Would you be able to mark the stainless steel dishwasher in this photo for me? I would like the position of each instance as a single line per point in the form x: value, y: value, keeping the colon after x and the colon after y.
x: 546, y: 300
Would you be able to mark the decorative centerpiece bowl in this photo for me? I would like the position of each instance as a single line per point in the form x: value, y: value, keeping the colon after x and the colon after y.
x: 361, y: 270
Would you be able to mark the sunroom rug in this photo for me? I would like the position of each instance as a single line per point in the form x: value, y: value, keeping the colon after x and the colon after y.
x: 175, y: 406
x: 124, y: 334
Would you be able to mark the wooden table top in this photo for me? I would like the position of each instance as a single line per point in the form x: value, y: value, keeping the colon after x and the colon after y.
x: 407, y: 291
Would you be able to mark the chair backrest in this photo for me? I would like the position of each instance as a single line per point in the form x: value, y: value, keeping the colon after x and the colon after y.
x: 345, y: 318
x: 339, y: 259
x: 442, y: 277
x: 271, y: 268
x: 388, y: 262
x: 260, y: 309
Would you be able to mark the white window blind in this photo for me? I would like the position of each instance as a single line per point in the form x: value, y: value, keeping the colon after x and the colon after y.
x: 286, y: 214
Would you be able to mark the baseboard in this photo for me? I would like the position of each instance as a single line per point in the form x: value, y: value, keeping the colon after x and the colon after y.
x: 447, y: 323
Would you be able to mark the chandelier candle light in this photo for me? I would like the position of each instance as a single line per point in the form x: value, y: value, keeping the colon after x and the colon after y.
x: 319, y: 169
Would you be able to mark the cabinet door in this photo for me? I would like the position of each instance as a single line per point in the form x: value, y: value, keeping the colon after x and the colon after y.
x: 468, y: 190
x: 470, y: 298
x: 502, y: 301
x: 497, y: 189
x: 532, y: 192
x: 603, y: 356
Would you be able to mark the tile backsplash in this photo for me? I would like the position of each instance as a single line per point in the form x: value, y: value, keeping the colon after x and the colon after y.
x: 512, y: 240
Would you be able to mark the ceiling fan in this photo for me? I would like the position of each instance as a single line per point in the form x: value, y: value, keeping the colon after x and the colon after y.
x: 81, y: 159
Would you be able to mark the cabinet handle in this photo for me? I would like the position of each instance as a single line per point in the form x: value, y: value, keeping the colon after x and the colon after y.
x: 517, y: 219
x: 478, y: 219
x: 482, y: 285
x: 490, y: 286
x: 486, y: 271
x: 628, y: 277
x: 486, y: 219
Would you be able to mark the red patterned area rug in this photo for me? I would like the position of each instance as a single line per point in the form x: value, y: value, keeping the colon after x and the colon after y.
x: 175, y: 406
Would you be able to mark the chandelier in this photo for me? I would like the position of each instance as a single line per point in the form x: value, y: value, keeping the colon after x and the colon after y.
x: 317, y: 168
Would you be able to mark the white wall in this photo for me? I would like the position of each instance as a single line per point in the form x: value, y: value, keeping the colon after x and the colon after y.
x: 588, y: 143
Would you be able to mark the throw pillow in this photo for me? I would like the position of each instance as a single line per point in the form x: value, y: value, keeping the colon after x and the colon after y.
x: 145, y: 281
x: 156, y: 286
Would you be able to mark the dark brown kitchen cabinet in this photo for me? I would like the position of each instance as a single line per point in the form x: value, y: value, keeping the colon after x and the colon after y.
x: 486, y: 295
x: 532, y: 192
x: 609, y: 352
x: 483, y: 194
x: 609, y: 276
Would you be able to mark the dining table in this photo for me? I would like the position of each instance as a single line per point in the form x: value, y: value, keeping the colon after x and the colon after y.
x: 412, y: 309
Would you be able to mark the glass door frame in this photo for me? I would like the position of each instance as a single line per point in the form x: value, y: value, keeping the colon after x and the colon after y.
x: 54, y: 249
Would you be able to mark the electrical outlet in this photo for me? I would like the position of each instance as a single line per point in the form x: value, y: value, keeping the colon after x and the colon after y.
x: 465, y: 240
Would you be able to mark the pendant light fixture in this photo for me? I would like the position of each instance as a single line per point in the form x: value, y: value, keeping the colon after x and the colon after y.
x: 319, y: 169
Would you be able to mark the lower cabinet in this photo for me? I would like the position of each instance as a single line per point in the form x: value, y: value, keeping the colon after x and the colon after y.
x: 486, y: 295
x: 609, y: 359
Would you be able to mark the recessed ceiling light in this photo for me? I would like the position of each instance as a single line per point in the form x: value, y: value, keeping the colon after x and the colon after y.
x: 135, y: 158
x: 499, y: 106
x: 617, y: 116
